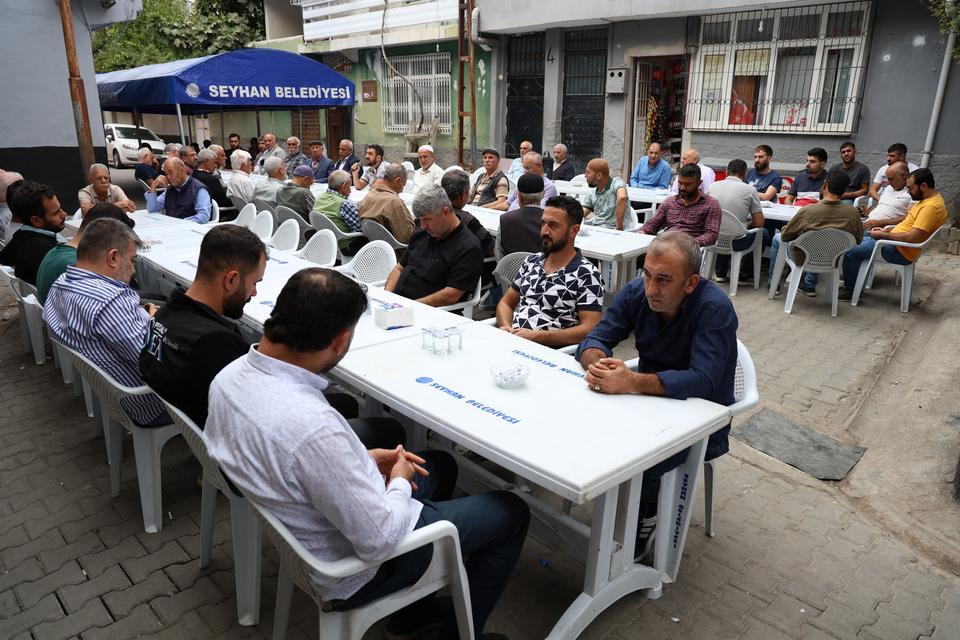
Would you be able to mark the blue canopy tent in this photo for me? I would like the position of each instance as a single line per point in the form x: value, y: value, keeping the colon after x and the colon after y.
x: 246, y: 78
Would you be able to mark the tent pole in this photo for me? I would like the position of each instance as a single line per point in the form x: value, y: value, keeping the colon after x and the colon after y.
x: 223, y: 140
x: 300, y: 123
x: 258, y: 122
x: 180, y: 124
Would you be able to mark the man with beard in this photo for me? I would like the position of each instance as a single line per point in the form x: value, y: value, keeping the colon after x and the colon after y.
x: 195, y: 335
x: 608, y: 205
x: 557, y: 297
x: 373, y: 167
x: 37, y: 207
x: 690, y: 211
x: 762, y: 177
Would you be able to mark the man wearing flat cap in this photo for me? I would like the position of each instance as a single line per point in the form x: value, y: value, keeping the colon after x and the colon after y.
x: 493, y: 187
x: 297, y: 194
x: 320, y: 164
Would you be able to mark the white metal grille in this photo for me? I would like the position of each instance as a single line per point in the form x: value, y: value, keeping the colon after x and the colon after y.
x: 430, y: 74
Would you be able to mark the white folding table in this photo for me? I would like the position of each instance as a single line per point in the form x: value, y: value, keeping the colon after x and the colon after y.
x: 780, y: 212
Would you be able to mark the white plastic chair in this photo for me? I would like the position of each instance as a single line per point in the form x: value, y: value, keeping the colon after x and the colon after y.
x: 246, y: 217
x: 467, y: 305
x: 321, y: 248
x: 77, y: 215
x: 144, y: 185
x: 746, y: 397
x: 147, y: 442
x: 508, y: 266
x: 287, y: 237
x: 372, y: 264
x: 823, y: 250
x: 453, y: 167
x: 286, y: 213
x: 579, y: 181
x: 411, y: 170
x: 904, y: 271
x: 319, y: 221
x: 239, y: 202
x: 731, y: 228
x: 376, y: 231
x: 31, y: 316
x: 214, y: 212
x: 245, y: 525
x: 263, y: 225
x: 296, y: 565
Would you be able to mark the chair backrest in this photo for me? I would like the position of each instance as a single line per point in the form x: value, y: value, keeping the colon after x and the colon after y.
x: 104, y: 387
x: 745, y: 382
x: 194, y: 437
x: 373, y: 262
x: 247, y: 215
x: 320, y: 222
x: 263, y: 225
x: 287, y: 236
x: 239, y: 202
x: 731, y: 227
x: 508, y: 266
x: 321, y: 248
x: 214, y: 211
x: 264, y: 205
x: 77, y: 215
x: 286, y: 213
x: 143, y: 183
x: 823, y: 248
x: 453, y: 167
x: 376, y: 231
x: 578, y: 181
x: 476, y: 176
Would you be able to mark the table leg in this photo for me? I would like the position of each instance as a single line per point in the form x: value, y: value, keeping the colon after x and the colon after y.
x: 674, y: 508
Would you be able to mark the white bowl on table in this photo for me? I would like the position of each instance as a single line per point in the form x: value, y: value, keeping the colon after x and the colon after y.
x: 510, y: 374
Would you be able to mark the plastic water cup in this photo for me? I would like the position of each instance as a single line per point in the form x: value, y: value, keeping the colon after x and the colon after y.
x: 441, y: 341
x: 456, y: 339
x: 426, y: 339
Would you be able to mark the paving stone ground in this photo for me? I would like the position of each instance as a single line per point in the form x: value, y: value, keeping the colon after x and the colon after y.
x: 794, y: 557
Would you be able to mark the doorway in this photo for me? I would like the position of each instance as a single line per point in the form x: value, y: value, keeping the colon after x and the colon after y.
x: 660, y: 106
x: 525, y: 71
x: 338, y: 128
x: 584, y: 87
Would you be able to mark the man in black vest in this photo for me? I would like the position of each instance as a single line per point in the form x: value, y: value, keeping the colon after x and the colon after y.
x: 493, y: 187
x: 185, y: 198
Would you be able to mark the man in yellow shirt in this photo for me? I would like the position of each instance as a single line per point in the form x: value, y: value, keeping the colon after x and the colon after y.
x: 923, y: 219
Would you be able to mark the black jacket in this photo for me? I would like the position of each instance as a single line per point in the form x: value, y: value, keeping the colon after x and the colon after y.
x: 26, y: 250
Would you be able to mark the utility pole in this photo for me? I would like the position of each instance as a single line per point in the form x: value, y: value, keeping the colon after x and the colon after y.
x: 78, y: 96
x: 466, y: 81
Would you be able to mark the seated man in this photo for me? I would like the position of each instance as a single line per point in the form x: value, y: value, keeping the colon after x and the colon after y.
x: 690, y: 211
x: 894, y: 201
x: 267, y: 411
x: 762, y: 177
x: 557, y: 297
x: 266, y: 190
x: 297, y: 194
x: 809, y: 182
x: 320, y: 164
x: 100, y: 190
x: 456, y: 184
x: 429, y: 171
x: 185, y: 197
x: 707, y: 175
x: 685, y: 330
x: 520, y: 230
x: 294, y: 157
x: 562, y: 167
x: 38, y: 209
x: 241, y: 185
x: 652, y: 172
x: 373, y: 167
x: 516, y: 165
x: 335, y: 203
x: 608, y: 205
x: 7, y: 223
x: 443, y: 261
x: 740, y: 199
x: 270, y: 150
x: 493, y: 187
x: 63, y: 255
x: 532, y: 164
x: 147, y: 167
x: 204, y: 172
x: 858, y: 172
x: 829, y: 213
x: 221, y: 156
x: 897, y: 152
x: 345, y: 158
x: 92, y: 309
x: 384, y: 205
x: 923, y: 219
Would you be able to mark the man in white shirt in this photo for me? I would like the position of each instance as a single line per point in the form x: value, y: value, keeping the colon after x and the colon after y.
x: 516, y: 167
x: 894, y: 201
x: 707, y: 175
x: 241, y: 184
x: 429, y: 172
x: 897, y: 152
x: 743, y: 201
x: 267, y: 412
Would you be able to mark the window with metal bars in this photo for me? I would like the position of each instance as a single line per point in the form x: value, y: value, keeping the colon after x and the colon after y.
x: 787, y: 70
x: 430, y: 74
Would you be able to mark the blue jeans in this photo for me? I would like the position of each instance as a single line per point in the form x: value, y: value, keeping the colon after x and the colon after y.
x: 855, y: 256
x: 809, y: 279
x: 492, y: 528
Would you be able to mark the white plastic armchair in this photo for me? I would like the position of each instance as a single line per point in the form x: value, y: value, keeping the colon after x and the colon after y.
x: 823, y: 251
x: 31, y: 315
x: 579, y: 180
x: 372, y: 264
x: 731, y: 228
x: 468, y: 305
x: 286, y: 238
x: 319, y: 221
x: 246, y: 217
x: 286, y: 213
x: 214, y: 212
x: 903, y: 271
x: 321, y: 248
x: 297, y: 564
x: 246, y: 526
x: 376, y: 231
x: 508, y: 266
x: 263, y: 225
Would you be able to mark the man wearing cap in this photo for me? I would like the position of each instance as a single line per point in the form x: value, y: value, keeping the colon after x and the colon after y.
x: 429, y: 172
x: 492, y: 187
x: 297, y: 194
x: 520, y: 228
x: 320, y: 164
x: 532, y: 164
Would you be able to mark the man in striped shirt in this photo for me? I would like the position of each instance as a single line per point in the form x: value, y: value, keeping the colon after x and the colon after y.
x: 92, y: 309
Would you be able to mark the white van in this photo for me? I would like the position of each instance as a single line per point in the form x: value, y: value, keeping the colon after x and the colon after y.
x: 124, y: 140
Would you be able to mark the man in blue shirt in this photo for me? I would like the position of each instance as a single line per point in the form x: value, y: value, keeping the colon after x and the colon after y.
x: 653, y: 172
x: 762, y: 177
x: 686, y: 335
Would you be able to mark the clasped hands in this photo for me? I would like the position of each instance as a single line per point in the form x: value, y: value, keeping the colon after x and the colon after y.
x: 398, y: 463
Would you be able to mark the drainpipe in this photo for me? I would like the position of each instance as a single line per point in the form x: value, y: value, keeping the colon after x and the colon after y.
x: 941, y: 90
x: 485, y: 44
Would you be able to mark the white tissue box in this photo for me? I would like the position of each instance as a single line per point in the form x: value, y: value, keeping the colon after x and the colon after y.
x: 392, y: 315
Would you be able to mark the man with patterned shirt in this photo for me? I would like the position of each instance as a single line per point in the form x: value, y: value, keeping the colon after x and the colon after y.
x: 557, y: 297
x: 691, y: 211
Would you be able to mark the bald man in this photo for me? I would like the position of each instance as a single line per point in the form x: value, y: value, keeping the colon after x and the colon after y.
x: 707, y: 175
x: 608, y: 205
x: 516, y: 167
